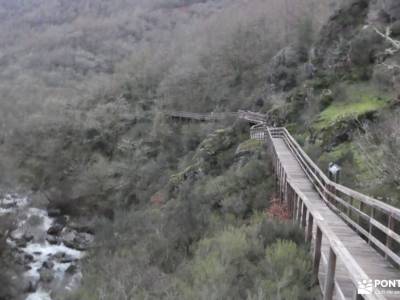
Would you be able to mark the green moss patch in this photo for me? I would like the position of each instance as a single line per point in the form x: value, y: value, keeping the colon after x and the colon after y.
x: 338, y: 112
x: 359, y: 101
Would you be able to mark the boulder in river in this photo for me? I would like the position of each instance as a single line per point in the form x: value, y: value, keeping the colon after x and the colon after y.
x: 53, y: 212
x: 53, y: 240
x: 67, y: 259
x: 21, y: 243
x: 72, y: 269
x: 80, y: 227
x: 55, y: 229
x: 46, y: 275
x: 23, y: 258
x: 29, y: 286
x: 63, y: 258
x: 77, y: 240
x: 48, y: 265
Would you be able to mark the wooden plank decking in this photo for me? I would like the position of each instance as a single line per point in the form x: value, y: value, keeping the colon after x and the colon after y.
x: 374, y: 265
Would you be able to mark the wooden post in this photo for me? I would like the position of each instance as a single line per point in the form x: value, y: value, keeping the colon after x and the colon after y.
x: 357, y: 296
x: 292, y: 205
x: 295, y: 207
x: 277, y: 172
x: 279, y: 180
x: 361, y: 209
x: 304, y: 217
x: 286, y: 198
x: 388, y: 238
x: 333, y: 191
x: 330, y: 276
x: 282, y: 179
x: 299, y: 210
x: 317, y: 252
x: 285, y: 189
x: 310, y: 227
x: 290, y: 199
x: 361, y: 206
x: 372, y: 215
x: 349, y: 207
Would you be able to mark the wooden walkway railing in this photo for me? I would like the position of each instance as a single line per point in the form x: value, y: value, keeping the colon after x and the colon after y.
x: 371, y: 218
x: 214, y: 116
x: 358, y: 237
x: 253, y: 117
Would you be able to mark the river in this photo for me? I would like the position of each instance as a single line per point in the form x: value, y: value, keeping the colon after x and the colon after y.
x: 46, y: 247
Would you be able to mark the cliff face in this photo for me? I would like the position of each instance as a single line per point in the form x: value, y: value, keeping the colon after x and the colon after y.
x: 353, y: 87
x: 334, y: 40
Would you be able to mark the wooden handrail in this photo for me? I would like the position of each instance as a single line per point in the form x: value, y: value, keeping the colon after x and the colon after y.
x: 337, y: 248
x: 345, y: 208
x: 200, y: 116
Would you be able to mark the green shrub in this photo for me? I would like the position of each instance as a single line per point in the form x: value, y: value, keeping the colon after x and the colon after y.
x: 289, y: 272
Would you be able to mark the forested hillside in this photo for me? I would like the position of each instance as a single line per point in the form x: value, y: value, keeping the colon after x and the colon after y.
x: 178, y: 209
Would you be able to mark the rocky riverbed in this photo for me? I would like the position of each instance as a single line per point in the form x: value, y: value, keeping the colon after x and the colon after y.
x: 47, y: 245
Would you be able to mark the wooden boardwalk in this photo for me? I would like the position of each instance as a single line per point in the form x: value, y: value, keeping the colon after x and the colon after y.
x: 255, y: 118
x: 353, y: 238
x: 371, y: 264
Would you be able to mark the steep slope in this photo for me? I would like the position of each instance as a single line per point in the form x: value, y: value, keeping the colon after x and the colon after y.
x: 336, y: 109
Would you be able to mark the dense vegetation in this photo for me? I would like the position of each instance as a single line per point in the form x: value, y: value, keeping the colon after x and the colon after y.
x: 82, y: 88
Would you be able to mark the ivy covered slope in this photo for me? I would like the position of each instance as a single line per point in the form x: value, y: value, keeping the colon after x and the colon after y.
x: 346, y: 109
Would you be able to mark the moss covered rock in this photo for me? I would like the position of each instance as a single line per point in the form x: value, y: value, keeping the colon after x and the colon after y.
x: 339, y: 120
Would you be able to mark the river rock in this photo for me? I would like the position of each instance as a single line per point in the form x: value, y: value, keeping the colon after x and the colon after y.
x: 61, y: 220
x: 81, y: 241
x: 86, y: 228
x: 72, y: 269
x: 22, y: 242
x: 53, y: 240
x: 63, y: 258
x: 67, y: 259
x: 46, y: 275
x: 29, y: 286
x: 48, y: 265
x: 28, y: 237
x: 55, y: 229
x: 27, y: 268
x: 58, y: 256
x: 53, y: 212
x: 77, y: 240
x: 24, y: 259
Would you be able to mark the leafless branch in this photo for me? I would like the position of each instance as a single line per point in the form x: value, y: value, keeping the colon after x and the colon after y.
x: 395, y: 43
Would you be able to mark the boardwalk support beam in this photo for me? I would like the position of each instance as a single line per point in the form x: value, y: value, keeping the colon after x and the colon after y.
x: 330, y: 276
